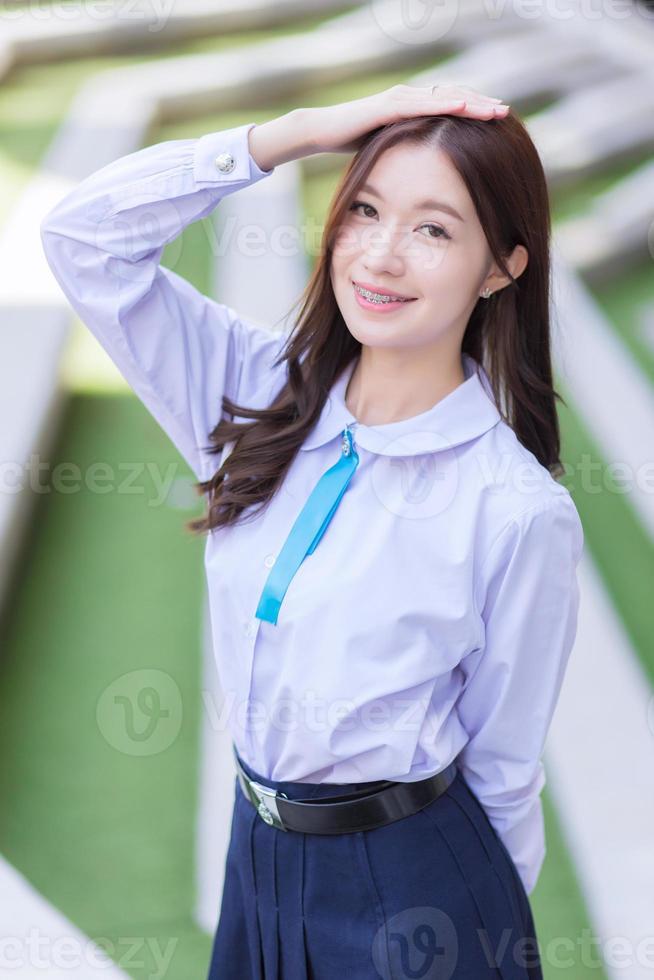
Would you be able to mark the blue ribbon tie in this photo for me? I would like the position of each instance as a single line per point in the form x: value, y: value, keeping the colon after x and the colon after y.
x: 308, y: 529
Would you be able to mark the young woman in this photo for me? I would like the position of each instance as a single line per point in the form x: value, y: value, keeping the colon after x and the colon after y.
x: 391, y: 559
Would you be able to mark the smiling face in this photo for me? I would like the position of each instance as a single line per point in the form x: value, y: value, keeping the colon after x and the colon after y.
x: 412, y: 229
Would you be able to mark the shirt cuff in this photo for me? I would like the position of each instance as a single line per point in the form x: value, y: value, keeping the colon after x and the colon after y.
x: 224, y: 157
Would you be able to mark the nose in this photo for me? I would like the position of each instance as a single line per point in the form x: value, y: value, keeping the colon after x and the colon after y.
x: 384, y: 253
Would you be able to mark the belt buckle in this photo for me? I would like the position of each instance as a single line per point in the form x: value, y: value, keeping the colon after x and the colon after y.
x: 264, y: 800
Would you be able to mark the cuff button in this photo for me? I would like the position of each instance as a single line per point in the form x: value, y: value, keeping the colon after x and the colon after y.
x: 225, y: 163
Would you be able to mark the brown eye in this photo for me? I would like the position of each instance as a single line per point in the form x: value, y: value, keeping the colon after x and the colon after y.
x: 361, y: 204
x: 443, y: 233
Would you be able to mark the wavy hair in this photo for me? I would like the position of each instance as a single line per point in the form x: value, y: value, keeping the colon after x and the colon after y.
x: 508, y: 334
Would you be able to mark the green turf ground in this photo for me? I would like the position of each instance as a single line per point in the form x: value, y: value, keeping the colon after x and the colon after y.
x: 110, y: 585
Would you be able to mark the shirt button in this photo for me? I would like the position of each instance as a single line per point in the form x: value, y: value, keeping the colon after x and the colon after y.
x: 225, y: 163
x: 269, y: 561
x: 250, y: 629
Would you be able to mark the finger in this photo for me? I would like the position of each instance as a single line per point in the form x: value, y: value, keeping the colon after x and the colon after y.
x: 476, y: 99
x: 439, y: 95
x: 451, y: 93
x: 483, y: 112
x: 481, y: 100
x: 475, y: 92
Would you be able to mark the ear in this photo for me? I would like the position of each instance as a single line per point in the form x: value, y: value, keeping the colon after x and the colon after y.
x: 516, y: 263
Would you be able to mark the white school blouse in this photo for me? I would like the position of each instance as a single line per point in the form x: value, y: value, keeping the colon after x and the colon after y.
x: 435, y: 618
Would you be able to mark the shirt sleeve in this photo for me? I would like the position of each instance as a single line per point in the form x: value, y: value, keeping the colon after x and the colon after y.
x: 530, y: 601
x: 178, y: 349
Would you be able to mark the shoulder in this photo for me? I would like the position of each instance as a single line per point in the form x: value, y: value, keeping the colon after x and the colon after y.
x: 519, y: 500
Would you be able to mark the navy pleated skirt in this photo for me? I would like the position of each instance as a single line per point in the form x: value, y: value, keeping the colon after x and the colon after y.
x: 432, y: 896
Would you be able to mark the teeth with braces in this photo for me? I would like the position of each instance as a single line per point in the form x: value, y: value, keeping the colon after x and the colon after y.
x: 378, y: 297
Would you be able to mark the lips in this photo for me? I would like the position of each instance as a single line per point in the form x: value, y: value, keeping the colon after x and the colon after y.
x: 399, y: 297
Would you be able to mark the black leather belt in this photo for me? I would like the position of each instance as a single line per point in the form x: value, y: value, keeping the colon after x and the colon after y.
x: 344, y: 814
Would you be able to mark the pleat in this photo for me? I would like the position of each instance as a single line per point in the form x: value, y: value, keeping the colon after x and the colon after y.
x: 484, y: 830
x: 292, y: 960
x: 275, y: 954
x: 517, y: 893
x: 237, y: 949
x: 305, y: 951
x: 514, y: 885
x: 489, y: 880
x: 255, y: 930
x: 342, y: 912
x: 379, y: 945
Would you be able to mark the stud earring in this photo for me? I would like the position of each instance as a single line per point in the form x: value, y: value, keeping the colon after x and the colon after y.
x: 487, y: 292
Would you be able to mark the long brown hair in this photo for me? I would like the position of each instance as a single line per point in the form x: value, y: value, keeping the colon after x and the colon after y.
x: 508, y: 334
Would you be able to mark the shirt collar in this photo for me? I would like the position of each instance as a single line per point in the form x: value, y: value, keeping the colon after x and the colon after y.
x: 463, y: 414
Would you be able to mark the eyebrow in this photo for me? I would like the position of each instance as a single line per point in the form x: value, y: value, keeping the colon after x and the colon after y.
x: 428, y: 205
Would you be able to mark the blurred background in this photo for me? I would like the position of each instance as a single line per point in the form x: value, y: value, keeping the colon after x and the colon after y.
x: 112, y: 833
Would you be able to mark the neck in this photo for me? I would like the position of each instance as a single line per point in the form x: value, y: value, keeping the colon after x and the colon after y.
x: 387, y: 386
